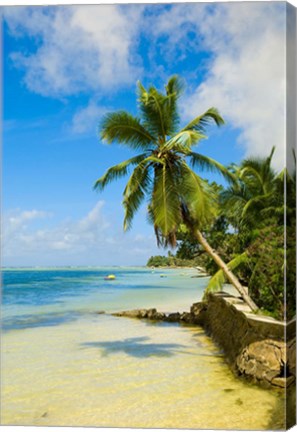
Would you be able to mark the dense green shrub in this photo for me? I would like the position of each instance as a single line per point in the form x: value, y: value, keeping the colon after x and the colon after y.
x: 267, y: 281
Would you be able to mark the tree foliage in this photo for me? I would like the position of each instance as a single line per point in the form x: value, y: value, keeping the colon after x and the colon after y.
x: 260, y: 247
x: 162, y: 172
x: 244, y: 222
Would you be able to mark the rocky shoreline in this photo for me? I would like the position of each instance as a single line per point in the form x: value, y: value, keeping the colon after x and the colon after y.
x: 256, y: 347
x: 154, y: 315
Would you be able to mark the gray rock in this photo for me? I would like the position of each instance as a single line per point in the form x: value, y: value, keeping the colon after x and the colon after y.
x: 135, y: 313
x: 291, y: 357
x: 198, y: 313
x: 151, y: 314
x: 262, y: 360
x: 282, y: 381
x: 187, y: 317
x: 159, y: 316
x: 198, y: 307
x: 143, y: 313
x: 173, y: 317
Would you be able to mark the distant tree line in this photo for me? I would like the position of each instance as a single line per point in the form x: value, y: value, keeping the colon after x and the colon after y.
x: 170, y: 261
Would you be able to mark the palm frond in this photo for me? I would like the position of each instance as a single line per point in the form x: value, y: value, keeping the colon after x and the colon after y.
x: 151, y: 106
x: 183, y: 141
x: 201, y: 122
x: 165, y: 202
x: 236, y: 191
x: 259, y: 200
x: 270, y: 156
x: 174, y: 89
x: 175, y: 86
x: 159, y: 111
x: 197, y: 196
x: 282, y: 176
x: 117, y: 171
x: 209, y: 164
x: 161, y: 241
x: 135, y: 191
x: 258, y: 173
x: 216, y: 282
x: 249, y: 172
x: 218, y: 279
x: 124, y: 128
x: 273, y: 210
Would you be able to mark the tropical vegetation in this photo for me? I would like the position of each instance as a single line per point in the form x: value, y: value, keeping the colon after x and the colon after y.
x: 208, y: 223
x: 250, y: 234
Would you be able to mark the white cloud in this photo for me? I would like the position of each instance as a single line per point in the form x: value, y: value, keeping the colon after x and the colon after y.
x: 78, y: 48
x: 246, y: 70
x: 91, y: 240
x: 86, y: 119
x: 94, y: 48
x: 16, y: 222
x: 247, y: 77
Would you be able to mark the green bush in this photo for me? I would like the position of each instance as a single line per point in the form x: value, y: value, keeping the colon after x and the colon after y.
x: 266, y: 284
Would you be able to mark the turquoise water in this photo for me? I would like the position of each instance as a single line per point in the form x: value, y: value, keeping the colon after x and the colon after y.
x: 49, y: 297
x: 65, y: 364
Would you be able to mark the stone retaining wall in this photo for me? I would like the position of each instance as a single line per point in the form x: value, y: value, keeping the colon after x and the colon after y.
x: 254, y: 345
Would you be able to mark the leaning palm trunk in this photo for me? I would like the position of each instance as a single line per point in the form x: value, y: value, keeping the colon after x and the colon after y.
x: 228, y: 273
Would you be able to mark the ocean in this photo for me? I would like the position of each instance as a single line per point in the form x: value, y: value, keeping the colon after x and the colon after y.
x: 64, y: 363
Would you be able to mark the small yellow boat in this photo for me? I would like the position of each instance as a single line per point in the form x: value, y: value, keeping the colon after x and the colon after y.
x: 110, y: 277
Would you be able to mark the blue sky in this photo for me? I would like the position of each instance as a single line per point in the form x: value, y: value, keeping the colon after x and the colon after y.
x: 65, y: 66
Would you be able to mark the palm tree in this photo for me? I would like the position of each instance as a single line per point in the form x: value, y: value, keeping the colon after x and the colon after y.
x: 254, y: 191
x: 176, y: 194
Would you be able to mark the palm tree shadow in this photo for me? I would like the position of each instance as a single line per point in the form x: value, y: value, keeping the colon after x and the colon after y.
x: 136, y: 347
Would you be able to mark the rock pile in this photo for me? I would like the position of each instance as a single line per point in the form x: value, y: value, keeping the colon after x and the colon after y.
x: 151, y: 314
x: 195, y: 316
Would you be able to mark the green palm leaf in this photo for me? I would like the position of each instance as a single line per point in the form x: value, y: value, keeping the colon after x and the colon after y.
x: 125, y: 129
x: 135, y: 191
x: 197, y: 196
x: 218, y: 279
x: 159, y: 111
x: 151, y: 104
x: 258, y: 173
x: 183, y: 141
x: 201, y: 122
x: 250, y: 172
x: 254, y: 202
x: 175, y: 86
x: 165, y: 203
x: 209, y: 164
x: 117, y: 171
x: 174, y: 89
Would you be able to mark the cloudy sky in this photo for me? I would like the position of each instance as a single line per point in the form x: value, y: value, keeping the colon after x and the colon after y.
x: 65, y: 66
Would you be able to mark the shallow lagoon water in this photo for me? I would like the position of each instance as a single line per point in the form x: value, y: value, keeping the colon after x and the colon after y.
x: 65, y: 365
